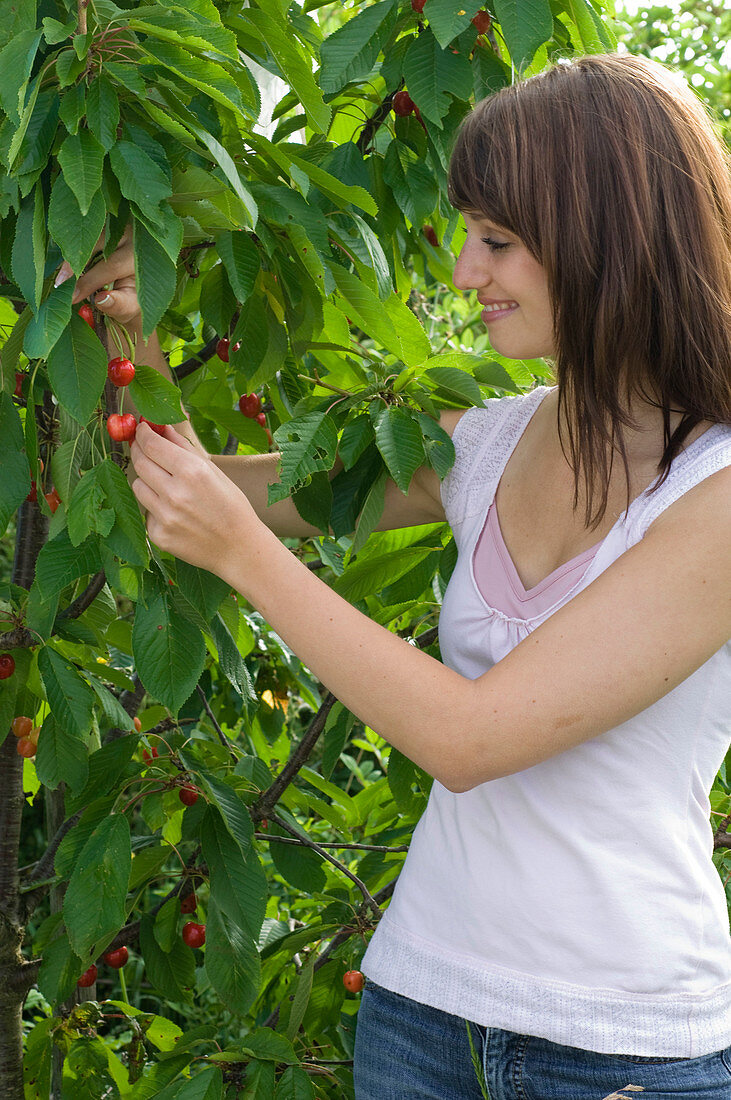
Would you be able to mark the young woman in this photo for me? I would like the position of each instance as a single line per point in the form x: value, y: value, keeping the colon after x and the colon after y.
x: 559, y: 893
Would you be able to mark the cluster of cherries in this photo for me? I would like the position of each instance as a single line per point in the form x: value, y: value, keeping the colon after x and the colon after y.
x: 193, y: 935
x: 249, y: 403
x: 26, y: 733
x: 122, y: 426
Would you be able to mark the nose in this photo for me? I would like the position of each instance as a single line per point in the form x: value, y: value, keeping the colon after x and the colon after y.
x: 472, y: 267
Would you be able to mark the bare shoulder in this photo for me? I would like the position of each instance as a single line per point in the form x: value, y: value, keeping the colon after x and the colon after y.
x: 706, y: 508
x: 449, y: 419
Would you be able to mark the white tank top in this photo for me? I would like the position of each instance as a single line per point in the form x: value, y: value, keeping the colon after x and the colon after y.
x: 576, y: 900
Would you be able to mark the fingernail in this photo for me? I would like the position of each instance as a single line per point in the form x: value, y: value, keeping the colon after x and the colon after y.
x: 101, y: 301
x: 64, y: 273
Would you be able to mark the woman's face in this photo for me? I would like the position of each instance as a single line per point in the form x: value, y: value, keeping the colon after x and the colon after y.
x: 511, y: 285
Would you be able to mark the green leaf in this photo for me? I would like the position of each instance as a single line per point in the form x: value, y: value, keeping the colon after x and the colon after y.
x: 102, y: 111
x: 46, y: 327
x: 371, y: 512
x: 207, y: 76
x: 69, y: 696
x: 350, y: 52
x: 433, y: 75
x: 165, y: 928
x: 415, y: 346
x: 141, y: 179
x: 156, y: 397
x: 16, y: 62
x: 233, y: 811
x: 366, y: 309
x: 62, y: 757
x: 259, y: 1081
x: 457, y: 383
x: 230, y: 661
x: 60, y: 969
x: 15, y: 482
x: 308, y: 444
x: 294, y: 65
x: 301, y: 999
x: 448, y: 19
x: 171, y: 973
x: 354, y: 440
x: 241, y: 260
x: 170, y: 659
x: 77, y: 368
x: 82, y: 157
x: 217, y: 299
x: 75, y: 233
x: 60, y: 564
x: 294, y: 1084
x: 156, y: 278
x: 238, y: 884
x: 94, y: 904
x: 299, y: 866
x: 128, y: 537
x: 526, y: 25
x: 366, y: 577
x: 72, y: 108
x: 232, y: 961
x: 204, y: 590
x: 398, y: 438
x: 413, y: 184
x: 86, y: 512
x: 437, y: 443
x: 494, y: 374
x: 207, y: 1085
x: 29, y: 247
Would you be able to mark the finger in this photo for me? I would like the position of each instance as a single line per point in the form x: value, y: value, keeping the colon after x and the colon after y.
x: 121, y: 305
x: 160, y: 448
x: 148, y: 470
x: 147, y: 498
x: 120, y: 264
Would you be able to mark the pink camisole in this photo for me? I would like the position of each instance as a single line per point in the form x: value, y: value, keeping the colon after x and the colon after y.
x: 499, y: 583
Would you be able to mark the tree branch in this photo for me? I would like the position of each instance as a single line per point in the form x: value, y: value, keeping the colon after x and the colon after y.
x: 221, y: 735
x: 86, y: 598
x: 330, y: 844
x: 44, y: 867
x: 307, y: 843
x: 269, y: 798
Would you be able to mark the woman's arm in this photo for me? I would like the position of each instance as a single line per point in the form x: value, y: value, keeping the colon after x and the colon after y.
x: 635, y: 633
x: 252, y: 474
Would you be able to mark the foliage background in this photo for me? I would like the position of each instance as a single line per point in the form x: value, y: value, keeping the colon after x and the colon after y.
x: 307, y: 247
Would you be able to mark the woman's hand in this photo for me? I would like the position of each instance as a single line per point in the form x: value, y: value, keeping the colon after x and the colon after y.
x: 120, y: 302
x: 194, y: 511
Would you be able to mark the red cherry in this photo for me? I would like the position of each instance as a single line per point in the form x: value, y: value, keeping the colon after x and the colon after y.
x: 261, y: 418
x: 222, y: 349
x: 418, y: 6
x: 120, y: 371
x: 189, y: 904
x: 33, y: 494
x: 117, y: 958
x: 481, y: 21
x: 194, y: 935
x: 52, y: 499
x: 250, y: 404
x: 431, y: 235
x: 7, y: 665
x: 353, y: 981
x: 402, y: 103
x: 270, y: 437
x: 88, y: 977
x: 158, y: 428
x: 25, y: 747
x: 86, y: 313
x: 149, y: 756
x: 122, y: 428
x: 188, y: 795
x: 19, y: 383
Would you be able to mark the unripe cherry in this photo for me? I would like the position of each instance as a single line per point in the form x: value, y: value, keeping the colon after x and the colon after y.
x: 22, y: 725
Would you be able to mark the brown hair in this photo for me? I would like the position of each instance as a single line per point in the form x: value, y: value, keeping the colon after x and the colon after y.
x: 610, y: 170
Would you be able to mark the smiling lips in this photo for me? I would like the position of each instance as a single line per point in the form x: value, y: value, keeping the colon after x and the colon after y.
x: 494, y: 310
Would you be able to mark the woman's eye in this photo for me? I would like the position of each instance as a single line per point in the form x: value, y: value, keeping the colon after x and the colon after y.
x: 495, y: 246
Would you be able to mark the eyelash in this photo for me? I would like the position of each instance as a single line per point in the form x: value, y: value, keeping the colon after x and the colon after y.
x: 495, y: 246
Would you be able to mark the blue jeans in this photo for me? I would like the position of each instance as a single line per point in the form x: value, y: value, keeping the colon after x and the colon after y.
x: 408, y: 1051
